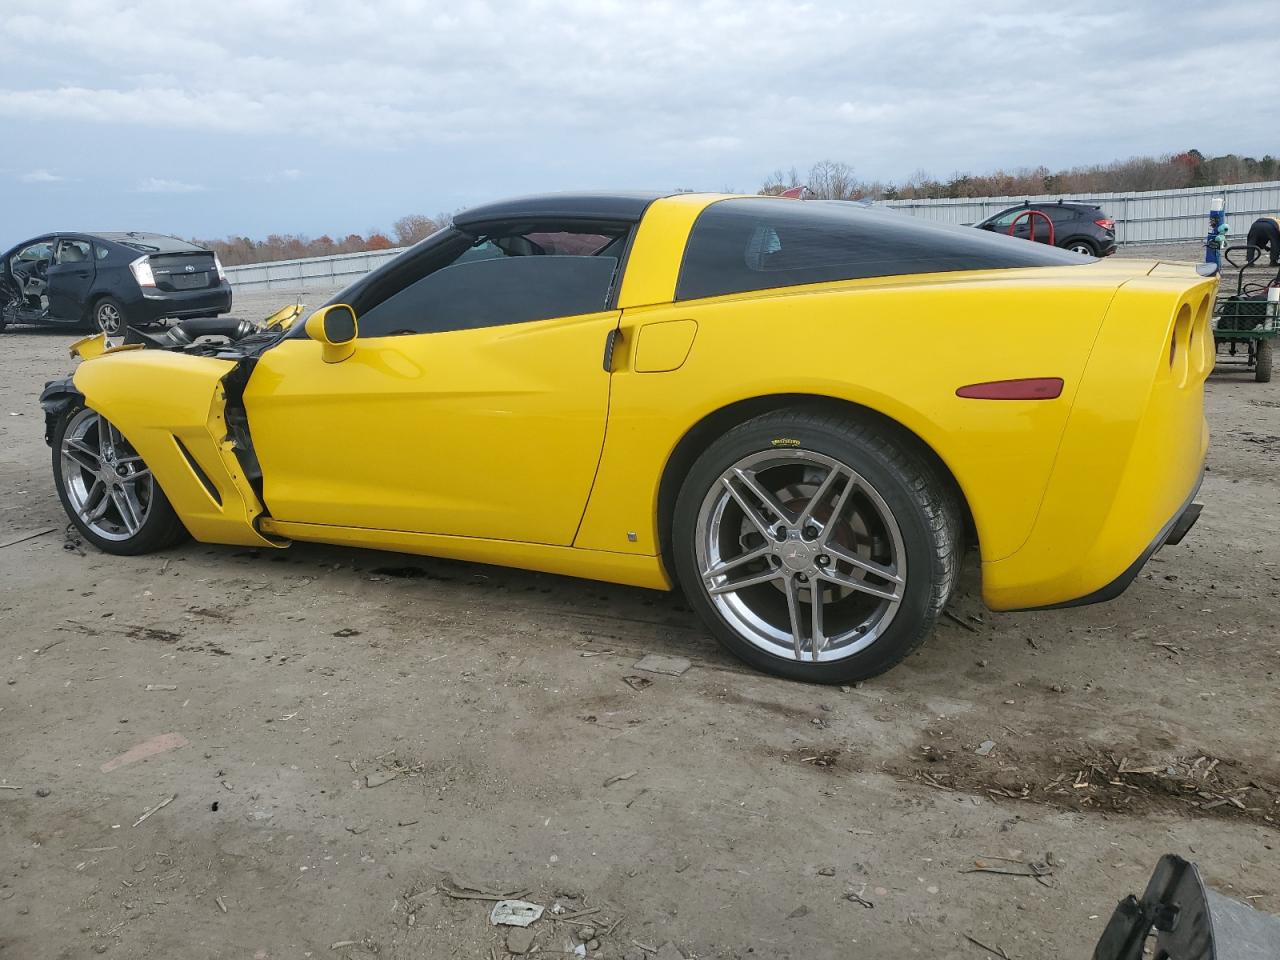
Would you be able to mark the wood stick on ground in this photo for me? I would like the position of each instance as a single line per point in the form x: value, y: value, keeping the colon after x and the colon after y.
x: 24, y: 537
x: 163, y: 803
x: 577, y: 913
x: 952, y: 617
x: 994, y: 951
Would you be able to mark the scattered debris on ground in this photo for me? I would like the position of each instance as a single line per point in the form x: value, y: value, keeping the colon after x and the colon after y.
x: 492, y: 706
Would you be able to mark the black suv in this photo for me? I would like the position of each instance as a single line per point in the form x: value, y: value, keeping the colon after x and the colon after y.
x: 1081, y: 227
x: 105, y: 281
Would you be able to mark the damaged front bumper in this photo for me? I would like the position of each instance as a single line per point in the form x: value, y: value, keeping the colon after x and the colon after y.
x: 175, y: 395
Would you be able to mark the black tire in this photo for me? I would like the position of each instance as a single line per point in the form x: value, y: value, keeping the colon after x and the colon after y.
x: 1262, y: 361
x: 160, y: 530
x: 108, y: 311
x: 925, y: 505
x: 1081, y: 245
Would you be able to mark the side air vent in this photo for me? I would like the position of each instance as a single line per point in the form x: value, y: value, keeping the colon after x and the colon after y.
x: 203, y: 477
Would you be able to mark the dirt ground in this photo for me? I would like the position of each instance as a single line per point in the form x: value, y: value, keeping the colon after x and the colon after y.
x: 725, y: 812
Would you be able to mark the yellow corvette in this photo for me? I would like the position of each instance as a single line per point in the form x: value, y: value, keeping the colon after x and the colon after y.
x: 798, y: 412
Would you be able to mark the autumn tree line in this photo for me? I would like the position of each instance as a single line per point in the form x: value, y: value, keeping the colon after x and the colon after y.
x: 834, y: 180
x: 234, y: 251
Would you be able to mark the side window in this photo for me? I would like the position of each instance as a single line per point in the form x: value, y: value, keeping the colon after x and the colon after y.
x: 517, y: 273
x: 35, y: 253
x: 73, y: 251
x: 101, y: 252
x: 1061, y: 214
x: 764, y: 243
x: 1005, y: 219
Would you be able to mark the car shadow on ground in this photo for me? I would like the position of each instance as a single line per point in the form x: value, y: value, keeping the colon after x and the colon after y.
x: 629, y: 620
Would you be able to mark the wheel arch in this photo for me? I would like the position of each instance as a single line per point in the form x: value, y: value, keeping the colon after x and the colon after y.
x: 714, y: 424
x: 95, y: 297
x: 56, y: 399
x: 1080, y: 238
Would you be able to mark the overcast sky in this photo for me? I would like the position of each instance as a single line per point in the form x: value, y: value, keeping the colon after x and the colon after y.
x: 212, y: 117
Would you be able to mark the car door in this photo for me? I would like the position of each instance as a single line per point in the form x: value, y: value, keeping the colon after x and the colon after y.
x: 1023, y: 223
x: 70, y: 277
x: 474, y: 403
x: 28, y: 269
x: 1067, y: 222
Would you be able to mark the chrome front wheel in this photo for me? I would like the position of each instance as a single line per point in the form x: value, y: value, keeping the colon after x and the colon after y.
x: 108, y: 487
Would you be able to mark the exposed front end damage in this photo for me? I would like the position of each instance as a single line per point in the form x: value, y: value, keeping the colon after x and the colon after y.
x: 175, y: 395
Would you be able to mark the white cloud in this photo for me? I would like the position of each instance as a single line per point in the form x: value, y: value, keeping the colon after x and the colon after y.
x: 160, y: 185
x: 393, y: 105
x: 886, y: 88
x: 718, y: 143
x: 41, y: 176
x: 287, y: 175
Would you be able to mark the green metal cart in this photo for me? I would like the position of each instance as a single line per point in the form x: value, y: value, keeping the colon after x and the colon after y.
x: 1245, y: 319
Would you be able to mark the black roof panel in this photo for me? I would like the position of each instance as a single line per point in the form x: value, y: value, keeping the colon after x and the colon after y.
x: 142, y: 238
x: 623, y: 207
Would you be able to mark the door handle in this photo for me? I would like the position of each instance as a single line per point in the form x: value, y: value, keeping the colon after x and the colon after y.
x: 611, y: 340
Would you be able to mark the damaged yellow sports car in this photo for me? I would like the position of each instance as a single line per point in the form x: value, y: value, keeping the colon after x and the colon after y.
x: 800, y: 413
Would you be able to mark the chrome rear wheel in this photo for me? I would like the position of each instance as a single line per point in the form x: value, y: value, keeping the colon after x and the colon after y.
x: 817, y: 544
x: 109, y: 317
x: 801, y: 555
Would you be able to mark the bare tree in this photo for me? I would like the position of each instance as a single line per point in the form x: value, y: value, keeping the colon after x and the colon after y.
x: 833, y: 180
x: 780, y: 181
x: 413, y: 227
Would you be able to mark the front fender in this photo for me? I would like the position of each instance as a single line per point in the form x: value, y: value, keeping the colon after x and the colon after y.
x: 171, y: 409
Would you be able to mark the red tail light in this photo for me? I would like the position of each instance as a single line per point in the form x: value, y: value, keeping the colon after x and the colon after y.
x: 1106, y: 223
x: 1031, y: 388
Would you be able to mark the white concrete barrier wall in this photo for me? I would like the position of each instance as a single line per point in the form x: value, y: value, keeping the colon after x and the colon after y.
x: 311, y: 273
x: 1146, y: 216
x: 1150, y: 216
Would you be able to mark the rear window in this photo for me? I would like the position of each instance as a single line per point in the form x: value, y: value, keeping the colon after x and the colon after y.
x: 762, y: 243
x: 1063, y: 214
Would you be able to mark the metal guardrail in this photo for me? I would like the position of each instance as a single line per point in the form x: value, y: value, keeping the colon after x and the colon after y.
x: 310, y: 273
x: 1150, y: 216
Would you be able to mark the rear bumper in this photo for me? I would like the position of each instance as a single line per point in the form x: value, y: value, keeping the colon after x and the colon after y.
x: 1170, y: 534
x: 1130, y: 460
x: 181, y: 304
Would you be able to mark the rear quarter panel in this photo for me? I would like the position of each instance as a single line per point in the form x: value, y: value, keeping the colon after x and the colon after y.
x: 1132, y: 451
x: 900, y: 346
